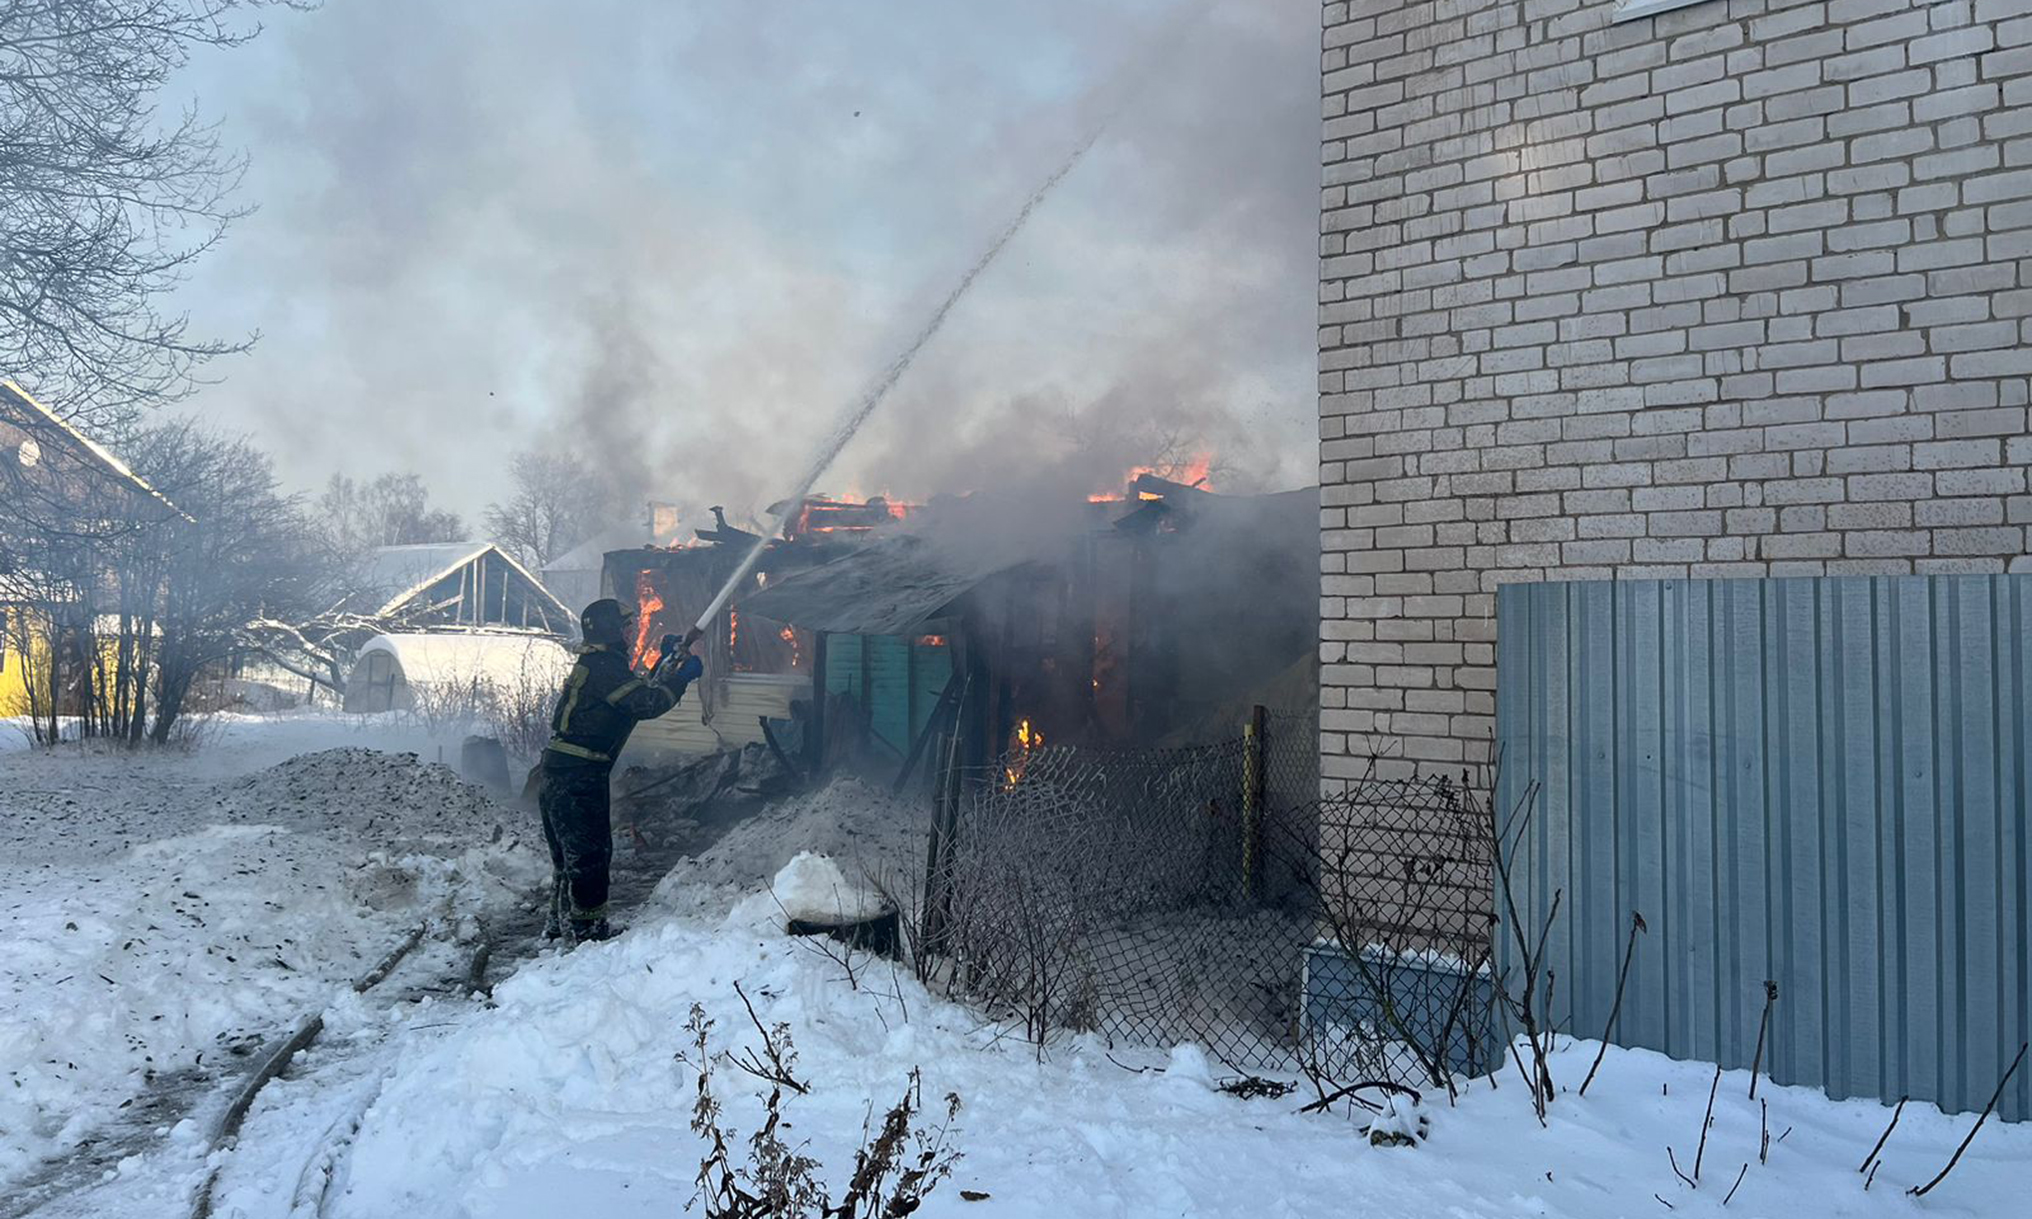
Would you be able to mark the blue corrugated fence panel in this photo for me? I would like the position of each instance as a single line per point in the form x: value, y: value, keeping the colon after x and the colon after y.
x: 1819, y: 782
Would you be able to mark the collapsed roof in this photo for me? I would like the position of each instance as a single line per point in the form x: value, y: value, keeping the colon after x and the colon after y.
x: 892, y: 587
x: 896, y: 585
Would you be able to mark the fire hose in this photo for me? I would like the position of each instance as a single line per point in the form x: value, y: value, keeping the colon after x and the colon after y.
x: 858, y: 412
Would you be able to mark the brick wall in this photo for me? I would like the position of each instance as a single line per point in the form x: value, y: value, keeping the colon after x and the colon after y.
x: 1740, y: 289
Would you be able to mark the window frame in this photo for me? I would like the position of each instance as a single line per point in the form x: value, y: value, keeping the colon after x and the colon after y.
x: 1635, y: 10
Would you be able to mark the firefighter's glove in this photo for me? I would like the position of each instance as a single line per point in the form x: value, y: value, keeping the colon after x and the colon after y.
x: 678, y: 672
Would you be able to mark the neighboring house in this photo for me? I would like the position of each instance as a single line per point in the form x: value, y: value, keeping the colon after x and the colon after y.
x: 1691, y: 342
x: 1737, y: 289
x: 22, y: 650
x: 458, y: 584
x: 52, y: 468
x: 62, y: 496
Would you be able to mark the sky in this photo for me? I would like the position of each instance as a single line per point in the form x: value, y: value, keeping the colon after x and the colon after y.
x: 679, y: 240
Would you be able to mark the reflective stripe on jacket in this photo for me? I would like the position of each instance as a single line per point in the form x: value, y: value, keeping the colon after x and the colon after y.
x: 602, y: 702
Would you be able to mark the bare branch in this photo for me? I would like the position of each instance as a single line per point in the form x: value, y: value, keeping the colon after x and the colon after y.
x: 1921, y: 1191
x: 104, y: 206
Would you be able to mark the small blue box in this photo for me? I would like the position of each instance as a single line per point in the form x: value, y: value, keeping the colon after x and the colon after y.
x: 1437, y: 998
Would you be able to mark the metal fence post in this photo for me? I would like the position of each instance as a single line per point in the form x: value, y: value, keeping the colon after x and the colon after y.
x: 1252, y: 800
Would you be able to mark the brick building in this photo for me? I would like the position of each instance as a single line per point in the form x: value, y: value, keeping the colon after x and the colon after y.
x: 1655, y: 288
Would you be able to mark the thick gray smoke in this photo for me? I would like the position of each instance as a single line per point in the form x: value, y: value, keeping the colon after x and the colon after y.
x: 679, y: 238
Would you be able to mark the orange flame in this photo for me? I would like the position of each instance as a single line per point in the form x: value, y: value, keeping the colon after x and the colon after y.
x: 821, y: 515
x: 1194, y: 472
x: 1027, y: 741
x: 648, y: 603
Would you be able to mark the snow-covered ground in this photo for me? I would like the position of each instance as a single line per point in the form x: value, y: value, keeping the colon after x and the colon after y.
x: 571, y: 1100
x: 166, y: 912
x: 566, y: 1093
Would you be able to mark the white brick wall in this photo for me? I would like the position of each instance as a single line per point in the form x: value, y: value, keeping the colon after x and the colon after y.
x: 1741, y: 289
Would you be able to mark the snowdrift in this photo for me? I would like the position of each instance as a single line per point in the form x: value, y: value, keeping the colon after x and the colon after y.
x: 237, y: 908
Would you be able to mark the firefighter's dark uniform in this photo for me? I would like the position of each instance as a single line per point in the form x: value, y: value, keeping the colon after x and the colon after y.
x: 603, y: 700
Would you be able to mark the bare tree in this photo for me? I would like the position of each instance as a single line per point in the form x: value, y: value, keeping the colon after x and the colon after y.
x: 318, y: 646
x: 557, y: 502
x: 103, y: 206
x: 241, y: 555
x: 132, y: 600
x: 391, y: 510
x: 67, y: 524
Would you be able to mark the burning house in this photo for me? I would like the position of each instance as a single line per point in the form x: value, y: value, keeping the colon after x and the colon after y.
x: 1145, y: 617
x: 761, y: 669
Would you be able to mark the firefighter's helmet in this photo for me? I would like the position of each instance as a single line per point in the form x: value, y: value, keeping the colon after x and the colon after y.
x: 605, y: 621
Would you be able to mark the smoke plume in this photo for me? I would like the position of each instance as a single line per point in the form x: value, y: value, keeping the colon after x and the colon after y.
x: 678, y: 239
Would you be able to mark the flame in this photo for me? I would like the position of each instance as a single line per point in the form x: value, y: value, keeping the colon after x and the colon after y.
x: 821, y: 514
x: 1106, y: 662
x: 1027, y: 741
x: 648, y: 603
x: 1193, y: 472
x: 931, y: 641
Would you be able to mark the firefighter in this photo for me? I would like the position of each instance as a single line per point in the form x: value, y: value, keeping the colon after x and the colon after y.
x: 602, y: 701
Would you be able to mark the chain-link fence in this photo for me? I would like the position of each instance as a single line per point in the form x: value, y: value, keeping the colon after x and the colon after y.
x: 1210, y: 895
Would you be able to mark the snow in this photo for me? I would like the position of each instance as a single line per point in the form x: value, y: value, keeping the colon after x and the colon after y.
x: 158, y: 921
x: 875, y: 839
x: 571, y: 1099
x: 508, y: 660
x: 566, y: 1093
x: 1401, y: 1123
x: 812, y: 888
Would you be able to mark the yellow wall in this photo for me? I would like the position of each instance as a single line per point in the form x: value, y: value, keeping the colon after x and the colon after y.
x: 13, y: 670
x: 25, y: 627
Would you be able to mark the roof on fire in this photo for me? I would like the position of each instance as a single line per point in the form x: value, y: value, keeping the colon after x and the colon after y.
x: 897, y: 584
x: 890, y: 587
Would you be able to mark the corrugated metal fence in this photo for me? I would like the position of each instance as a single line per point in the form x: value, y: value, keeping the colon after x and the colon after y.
x: 1820, y: 782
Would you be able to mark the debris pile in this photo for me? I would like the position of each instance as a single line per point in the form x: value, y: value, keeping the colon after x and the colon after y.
x: 864, y: 831
x: 396, y: 798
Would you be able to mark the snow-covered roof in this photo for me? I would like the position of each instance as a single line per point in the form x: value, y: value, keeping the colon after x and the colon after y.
x: 507, y: 659
x: 399, y: 573
x: 890, y: 587
x: 100, y: 453
x: 390, y: 570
